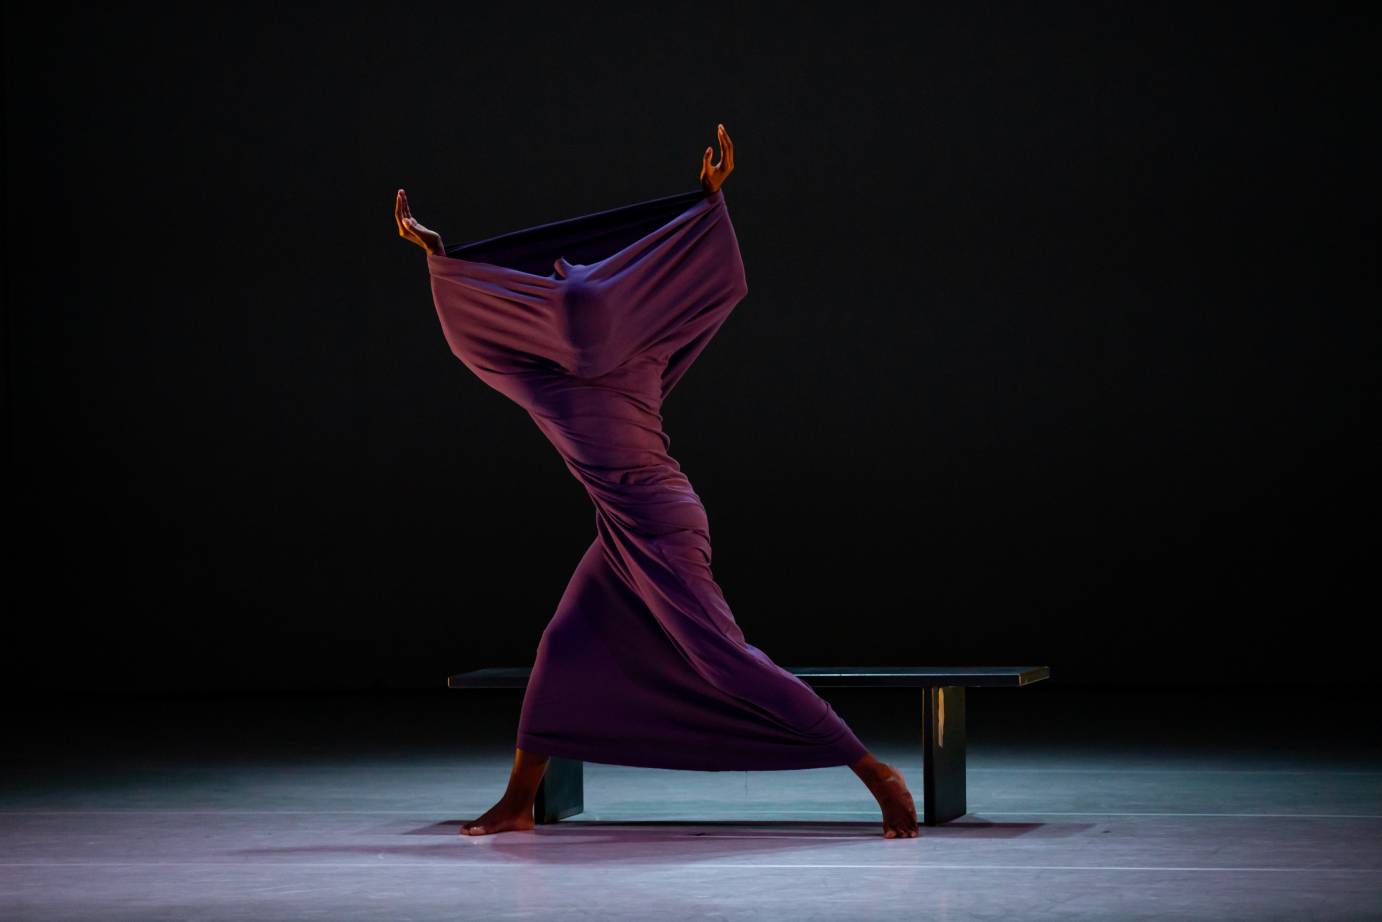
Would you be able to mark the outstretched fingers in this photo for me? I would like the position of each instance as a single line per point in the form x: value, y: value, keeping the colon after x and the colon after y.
x: 402, y: 213
x: 713, y: 174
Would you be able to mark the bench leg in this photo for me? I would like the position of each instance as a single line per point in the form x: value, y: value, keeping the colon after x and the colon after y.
x: 562, y: 791
x: 943, y: 754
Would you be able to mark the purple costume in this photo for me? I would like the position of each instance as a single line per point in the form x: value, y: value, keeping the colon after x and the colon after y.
x: 587, y: 324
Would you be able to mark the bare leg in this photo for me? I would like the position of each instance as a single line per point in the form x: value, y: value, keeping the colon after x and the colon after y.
x: 515, y: 809
x: 887, y: 786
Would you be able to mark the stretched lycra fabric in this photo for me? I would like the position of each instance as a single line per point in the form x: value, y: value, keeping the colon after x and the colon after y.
x: 588, y: 324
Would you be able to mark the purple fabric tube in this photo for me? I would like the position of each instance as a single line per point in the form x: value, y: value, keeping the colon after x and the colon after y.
x: 587, y: 324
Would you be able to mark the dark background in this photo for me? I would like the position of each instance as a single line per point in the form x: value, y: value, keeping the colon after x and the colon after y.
x: 1060, y: 345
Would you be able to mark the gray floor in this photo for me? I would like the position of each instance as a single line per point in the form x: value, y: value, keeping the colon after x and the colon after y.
x: 1083, y: 805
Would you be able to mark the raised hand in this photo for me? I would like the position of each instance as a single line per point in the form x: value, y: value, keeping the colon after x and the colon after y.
x: 410, y: 229
x: 712, y: 176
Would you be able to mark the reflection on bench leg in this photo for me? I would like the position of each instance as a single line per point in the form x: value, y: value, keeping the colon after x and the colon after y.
x: 943, y: 754
x: 562, y: 791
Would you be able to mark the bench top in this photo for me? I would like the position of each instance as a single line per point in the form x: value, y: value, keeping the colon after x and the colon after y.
x: 824, y: 676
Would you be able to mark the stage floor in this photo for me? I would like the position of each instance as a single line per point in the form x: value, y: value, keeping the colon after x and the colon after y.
x: 1083, y: 805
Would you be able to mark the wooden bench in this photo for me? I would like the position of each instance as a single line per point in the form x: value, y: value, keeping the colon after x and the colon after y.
x: 562, y: 792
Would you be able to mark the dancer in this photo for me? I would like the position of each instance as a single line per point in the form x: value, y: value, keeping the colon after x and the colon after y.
x: 587, y: 324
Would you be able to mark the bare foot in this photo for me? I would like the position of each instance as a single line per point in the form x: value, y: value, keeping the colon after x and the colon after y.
x: 502, y: 817
x: 888, y: 787
x: 515, y: 808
